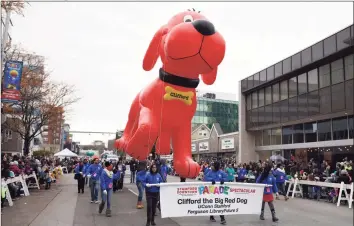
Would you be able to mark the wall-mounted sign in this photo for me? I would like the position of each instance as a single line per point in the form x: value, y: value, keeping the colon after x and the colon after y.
x: 227, y: 143
x: 203, y: 146
x: 194, y: 148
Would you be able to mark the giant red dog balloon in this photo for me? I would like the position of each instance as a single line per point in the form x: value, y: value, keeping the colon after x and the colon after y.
x: 189, y: 47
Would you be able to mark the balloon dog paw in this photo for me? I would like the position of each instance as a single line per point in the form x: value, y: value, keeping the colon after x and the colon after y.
x: 190, y: 48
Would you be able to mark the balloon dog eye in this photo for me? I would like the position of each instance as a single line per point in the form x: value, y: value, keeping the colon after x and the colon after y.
x: 188, y: 19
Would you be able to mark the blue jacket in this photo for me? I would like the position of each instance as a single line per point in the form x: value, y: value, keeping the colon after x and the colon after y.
x: 164, y: 172
x: 216, y: 176
x: 106, y: 181
x: 279, y: 175
x: 270, y: 180
x: 241, y: 173
x: 140, y: 176
x: 77, y: 169
x: 95, y: 171
x: 206, y: 170
x: 153, y: 179
x: 87, y: 165
x: 116, y: 176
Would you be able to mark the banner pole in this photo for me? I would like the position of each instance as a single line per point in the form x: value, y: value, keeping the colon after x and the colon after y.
x: 5, y: 36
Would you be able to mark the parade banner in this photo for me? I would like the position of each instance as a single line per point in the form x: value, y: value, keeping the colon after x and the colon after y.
x: 205, y: 199
x: 12, y: 81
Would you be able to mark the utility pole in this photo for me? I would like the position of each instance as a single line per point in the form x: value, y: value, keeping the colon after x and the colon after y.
x: 5, y: 36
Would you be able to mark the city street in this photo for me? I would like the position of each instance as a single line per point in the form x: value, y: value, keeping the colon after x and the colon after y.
x: 62, y: 206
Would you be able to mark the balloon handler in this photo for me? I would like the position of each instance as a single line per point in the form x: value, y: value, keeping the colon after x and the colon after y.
x: 152, y: 193
x: 267, y: 177
x: 216, y: 175
x: 106, y: 182
x: 189, y: 47
x: 140, y: 179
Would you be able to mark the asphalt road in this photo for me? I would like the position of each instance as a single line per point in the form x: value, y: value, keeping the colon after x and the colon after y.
x: 62, y: 206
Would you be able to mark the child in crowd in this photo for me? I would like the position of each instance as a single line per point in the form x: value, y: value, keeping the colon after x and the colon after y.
x: 47, y: 179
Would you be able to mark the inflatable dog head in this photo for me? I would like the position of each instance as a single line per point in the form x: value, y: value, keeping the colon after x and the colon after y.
x: 188, y: 46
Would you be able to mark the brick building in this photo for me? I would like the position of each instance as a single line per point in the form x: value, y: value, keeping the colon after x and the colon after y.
x: 52, y: 131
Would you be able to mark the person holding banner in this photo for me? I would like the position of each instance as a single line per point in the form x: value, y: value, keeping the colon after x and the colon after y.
x: 216, y: 175
x: 267, y: 178
x: 152, y: 193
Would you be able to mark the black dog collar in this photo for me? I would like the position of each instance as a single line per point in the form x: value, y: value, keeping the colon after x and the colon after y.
x: 177, y: 80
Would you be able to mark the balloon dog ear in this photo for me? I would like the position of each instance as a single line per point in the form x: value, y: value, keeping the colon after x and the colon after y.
x: 210, y: 77
x: 152, y: 53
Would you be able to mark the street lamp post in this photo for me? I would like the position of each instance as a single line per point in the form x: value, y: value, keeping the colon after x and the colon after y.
x: 5, y: 36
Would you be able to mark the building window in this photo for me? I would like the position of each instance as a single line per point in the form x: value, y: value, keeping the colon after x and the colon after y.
x: 270, y: 73
x: 338, y: 97
x: 310, y: 132
x: 293, y: 109
x: 325, y: 100
x: 266, y: 137
x: 248, y: 102
x: 244, y: 84
x: 287, y: 135
x: 258, y: 138
x: 298, y: 133
x: 261, y: 98
x: 351, y: 127
x: 343, y: 38
x: 276, y: 136
x: 324, y: 76
x: 330, y: 45
x: 324, y: 130
x: 337, y: 72
x: 296, y: 61
x: 340, y: 128
x: 276, y: 112
x: 254, y: 100
x: 261, y: 116
x: 284, y: 110
x: 286, y: 65
x: 268, y: 95
x: 306, y: 56
x: 302, y: 83
x: 275, y: 90
x: 292, y: 87
x: 268, y: 112
x: 312, y: 77
x: 313, y: 103
x: 278, y: 69
x: 284, y: 90
x: 349, y: 93
x: 8, y: 134
x: 302, y: 106
x: 256, y: 81
x: 317, y: 51
x: 250, y: 82
x: 254, y: 118
x: 348, y: 64
x: 263, y: 76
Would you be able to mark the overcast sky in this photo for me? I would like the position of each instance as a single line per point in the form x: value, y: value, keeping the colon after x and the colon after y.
x: 99, y: 47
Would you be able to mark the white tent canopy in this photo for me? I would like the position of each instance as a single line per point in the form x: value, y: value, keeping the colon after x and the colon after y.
x: 65, y: 153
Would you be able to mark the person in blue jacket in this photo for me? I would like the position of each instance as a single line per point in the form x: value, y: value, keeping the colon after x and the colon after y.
x: 152, y: 193
x: 86, y: 165
x: 140, y: 179
x: 164, y: 170
x: 216, y: 175
x: 94, y: 173
x: 280, y: 177
x: 106, y: 182
x: 267, y: 178
x: 241, y: 174
x: 80, y: 177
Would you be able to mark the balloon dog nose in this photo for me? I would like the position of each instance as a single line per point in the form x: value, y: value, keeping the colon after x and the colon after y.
x: 204, y: 27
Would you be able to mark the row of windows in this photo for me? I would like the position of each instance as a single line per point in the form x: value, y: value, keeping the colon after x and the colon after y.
x: 335, y: 129
x: 330, y: 74
x: 327, y: 100
x: 314, y: 53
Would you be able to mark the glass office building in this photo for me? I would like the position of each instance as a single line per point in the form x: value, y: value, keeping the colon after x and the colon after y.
x: 224, y: 112
x: 302, y: 106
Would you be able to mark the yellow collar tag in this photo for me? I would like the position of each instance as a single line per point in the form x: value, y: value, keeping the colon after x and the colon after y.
x: 172, y: 94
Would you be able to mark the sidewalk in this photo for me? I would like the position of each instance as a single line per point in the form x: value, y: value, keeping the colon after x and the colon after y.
x: 27, y: 210
x: 123, y: 208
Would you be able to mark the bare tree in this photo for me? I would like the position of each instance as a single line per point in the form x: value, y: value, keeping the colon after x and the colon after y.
x: 13, y: 6
x: 40, y: 98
